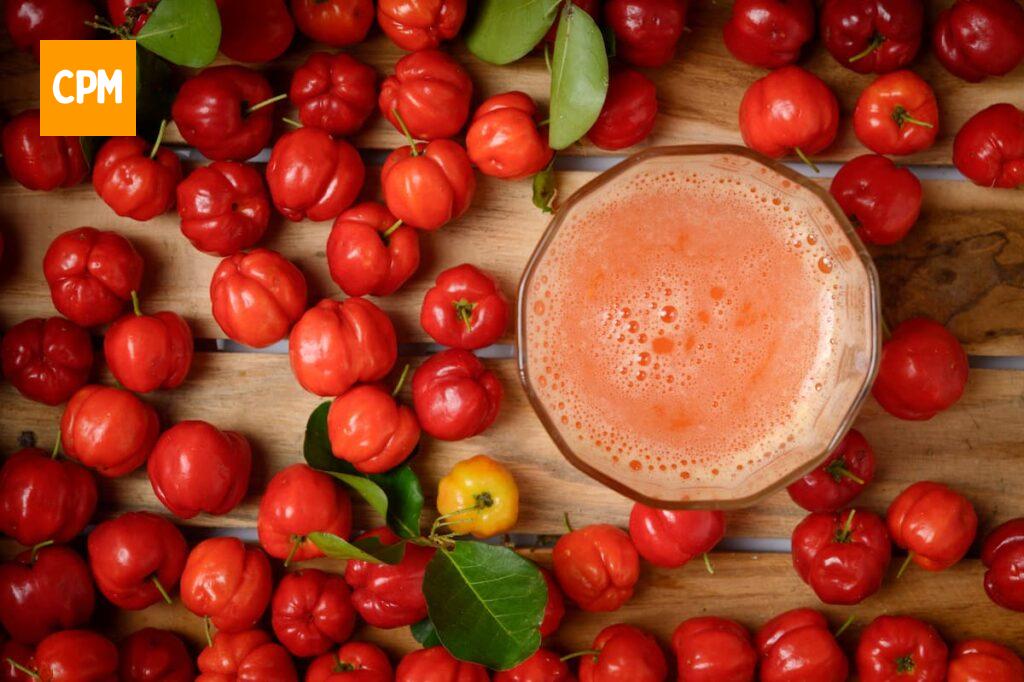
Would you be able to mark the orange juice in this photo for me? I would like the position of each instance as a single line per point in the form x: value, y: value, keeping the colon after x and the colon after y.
x: 686, y: 329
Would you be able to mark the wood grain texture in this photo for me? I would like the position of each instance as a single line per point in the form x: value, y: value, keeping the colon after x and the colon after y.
x: 699, y: 92
x: 962, y: 264
x: 750, y: 588
x: 974, y: 446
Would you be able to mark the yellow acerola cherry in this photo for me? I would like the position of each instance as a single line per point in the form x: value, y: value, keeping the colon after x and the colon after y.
x: 478, y: 496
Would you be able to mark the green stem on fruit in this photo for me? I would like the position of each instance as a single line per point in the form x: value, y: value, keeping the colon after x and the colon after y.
x: 265, y: 103
x: 905, y: 664
x: 905, y: 565
x: 844, y: 533
x: 401, y: 381
x: 901, y: 116
x: 22, y: 669
x: 291, y: 121
x: 56, y: 447
x: 207, y: 627
x: 707, y: 563
x: 160, y: 588
x: 405, y: 131
x: 35, y: 550
x: 136, y: 308
x: 297, y: 540
x: 806, y: 159
x: 837, y: 470
x: 876, y: 42
x: 104, y: 24
x: 341, y: 666
x: 391, y: 230
x: 586, y: 652
x: 464, y: 311
x: 846, y: 624
x: 159, y: 139
x: 568, y: 525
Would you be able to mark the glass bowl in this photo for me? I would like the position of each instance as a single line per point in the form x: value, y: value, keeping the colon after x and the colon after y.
x: 826, y: 417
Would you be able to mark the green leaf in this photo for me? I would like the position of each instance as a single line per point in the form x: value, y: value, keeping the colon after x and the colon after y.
x: 424, y: 633
x: 486, y: 603
x: 395, y: 495
x: 544, y: 188
x: 579, y: 77
x: 153, y: 93
x: 371, y: 549
x: 506, y: 30
x: 185, y: 32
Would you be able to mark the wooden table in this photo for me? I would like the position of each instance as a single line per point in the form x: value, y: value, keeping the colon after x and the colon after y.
x: 963, y: 265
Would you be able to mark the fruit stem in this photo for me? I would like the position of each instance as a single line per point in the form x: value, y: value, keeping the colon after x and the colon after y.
x: 35, y: 550
x: 207, y: 625
x: 159, y: 139
x: 161, y: 590
x: 20, y: 668
x: 296, y: 541
x: 464, y: 310
x: 586, y: 652
x: 405, y: 131
x: 846, y: 624
x: 565, y: 517
x: 401, y: 381
x: 707, y: 563
x: 291, y: 121
x: 901, y: 116
x: 806, y: 159
x: 56, y: 447
x: 837, y: 469
x: 876, y: 42
x: 266, y: 103
x: 391, y: 230
x: 904, y: 565
x: 135, y: 304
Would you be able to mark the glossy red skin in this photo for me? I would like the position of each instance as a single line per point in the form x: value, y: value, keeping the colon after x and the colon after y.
x: 488, y: 316
x: 117, y: 11
x: 42, y: 498
x: 437, y: 665
x: 311, y: 612
x: 224, y: 207
x: 712, y: 649
x: 420, y: 24
x: 46, y: 360
x: 313, y: 176
x: 934, y: 522
x: 1003, y: 556
x: 979, y: 660
x: 554, y: 609
x: 19, y: 653
x: 798, y: 645
x: 195, y: 467
x: 923, y: 370
x: 339, y: 343
x: 149, y: 352
x: 769, y: 33
x: 849, y: 28
x: 430, y: 188
x: 255, y: 30
x: 596, y: 567
x: 91, y: 274
x: 211, y: 112
x: 227, y: 581
x: 334, y: 92
x: 371, y: 430
x: 299, y: 501
x: 108, y: 429
x: 335, y: 22
x: 76, y: 656
x: 877, y: 121
x: 786, y: 110
x: 29, y: 21
x: 505, y: 140
x: 455, y: 396
x: 41, y: 163
x: 882, y: 200
x: 627, y: 654
x: 431, y: 92
x: 152, y: 655
x: 257, y: 297
x: 629, y: 111
x: 246, y: 656
x: 126, y: 554
x: 826, y: 489
x: 888, y: 639
x: 543, y: 666
x: 133, y: 184
x: 989, y: 148
x: 646, y: 31
x: 362, y: 260
x: 671, y: 538
x: 54, y: 592
x: 387, y: 596
x: 975, y: 39
x: 359, y: 662
x: 842, y: 569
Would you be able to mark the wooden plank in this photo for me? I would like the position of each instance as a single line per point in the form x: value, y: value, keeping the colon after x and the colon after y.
x: 975, y: 446
x: 960, y: 265
x: 699, y: 92
x: 750, y: 588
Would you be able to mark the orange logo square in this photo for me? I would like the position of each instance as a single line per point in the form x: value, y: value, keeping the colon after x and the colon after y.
x: 87, y: 87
